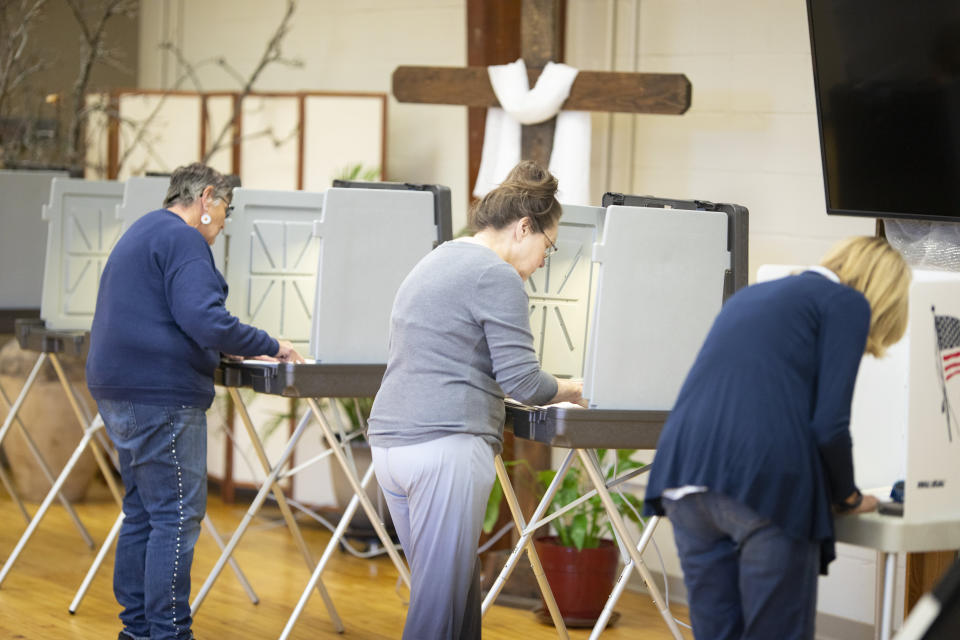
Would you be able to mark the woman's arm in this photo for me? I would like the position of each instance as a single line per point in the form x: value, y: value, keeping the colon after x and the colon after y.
x: 196, y: 302
x: 500, y: 306
x: 844, y: 323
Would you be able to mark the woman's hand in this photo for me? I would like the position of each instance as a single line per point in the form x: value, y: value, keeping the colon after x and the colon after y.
x: 287, y: 353
x: 857, y: 503
x: 868, y: 504
x: 569, y: 391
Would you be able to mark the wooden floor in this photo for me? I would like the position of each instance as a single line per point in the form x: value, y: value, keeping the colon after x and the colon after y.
x: 35, y: 596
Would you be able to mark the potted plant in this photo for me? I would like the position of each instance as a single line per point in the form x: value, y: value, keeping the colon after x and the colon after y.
x: 581, y: 560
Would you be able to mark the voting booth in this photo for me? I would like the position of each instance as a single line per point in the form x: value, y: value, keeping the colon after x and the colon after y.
x: 83, y: 227
x: 321, y: 270
x: 652, y: 279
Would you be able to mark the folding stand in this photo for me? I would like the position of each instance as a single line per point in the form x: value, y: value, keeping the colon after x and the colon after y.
x: 45, y: 468
x: 581, y: 431
x: 115, y: 531
x: 890, y: 536
x: 33, y: 336
x: 307, y: 381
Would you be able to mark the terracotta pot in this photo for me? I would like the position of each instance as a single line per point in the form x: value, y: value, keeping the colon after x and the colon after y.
x: 580, y: 580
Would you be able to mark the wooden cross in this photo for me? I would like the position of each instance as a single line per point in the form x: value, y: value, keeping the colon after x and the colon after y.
x: 541, y: 30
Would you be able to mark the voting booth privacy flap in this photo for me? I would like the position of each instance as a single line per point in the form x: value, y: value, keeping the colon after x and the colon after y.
x: 659, y: 287
x: 629, y: 297
x: 370, y: 240
x: 560, y: 293
x: 321, y: 269
x: 85, y: 218
x: 83, y: 227
x: 273, y: 260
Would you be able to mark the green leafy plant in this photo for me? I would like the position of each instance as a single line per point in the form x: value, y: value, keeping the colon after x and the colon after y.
x: 357, y: 411
x: 586, y: 524
x: 358, y: 172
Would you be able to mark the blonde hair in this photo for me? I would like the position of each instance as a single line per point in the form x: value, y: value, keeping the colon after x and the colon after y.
x: 879, y: 272
x: 528, y: 191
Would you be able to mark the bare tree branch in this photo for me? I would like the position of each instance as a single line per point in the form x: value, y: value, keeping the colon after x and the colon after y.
x: 190, y: 69
x: 189, y: 73
x: 14, y: 68
x: 272, y: 54
x: 92, y: 49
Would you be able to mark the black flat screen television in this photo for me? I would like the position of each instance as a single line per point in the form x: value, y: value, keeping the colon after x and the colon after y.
x: 887, y: 78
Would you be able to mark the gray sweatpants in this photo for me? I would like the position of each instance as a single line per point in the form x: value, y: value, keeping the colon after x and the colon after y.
x: 437, y: 493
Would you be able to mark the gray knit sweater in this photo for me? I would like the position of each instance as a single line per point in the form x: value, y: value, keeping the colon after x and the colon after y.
x: 459, y: 339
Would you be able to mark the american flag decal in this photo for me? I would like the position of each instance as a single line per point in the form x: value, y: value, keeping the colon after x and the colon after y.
x: 947, y: 329
x: 948, y: 342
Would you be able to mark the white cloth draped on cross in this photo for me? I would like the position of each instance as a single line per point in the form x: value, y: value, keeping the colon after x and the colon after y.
x: 570, y: 157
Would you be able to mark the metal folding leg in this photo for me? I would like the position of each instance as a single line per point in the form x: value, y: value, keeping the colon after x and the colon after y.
x: 526, y: 542
x: 44, y: 467
x: 592, y: 467
x: 334, y: 541
x: 624, y: 578
x: 89, y: 432
x: 361, y: 495
x: 270, y: 484
x: 115, y: 531
x: 87, y: 439
x: 98, y: 453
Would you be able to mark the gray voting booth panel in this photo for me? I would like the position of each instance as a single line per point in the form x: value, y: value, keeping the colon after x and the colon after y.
x: 82, y: 229
x: 23, y: 236
x: 273, y: 261
x: 659, y: 286
x: 560, y: 293
x: 370, y: 240
x: 141, y: 195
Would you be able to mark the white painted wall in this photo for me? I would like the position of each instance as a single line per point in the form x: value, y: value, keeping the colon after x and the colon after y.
x: 750, y: 136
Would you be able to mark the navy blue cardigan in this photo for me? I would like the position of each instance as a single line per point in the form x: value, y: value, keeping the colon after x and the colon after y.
x: 763, y: 415
x: 160, y: 322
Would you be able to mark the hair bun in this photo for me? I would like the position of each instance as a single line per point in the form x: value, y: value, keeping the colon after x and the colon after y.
x: 529, y: 190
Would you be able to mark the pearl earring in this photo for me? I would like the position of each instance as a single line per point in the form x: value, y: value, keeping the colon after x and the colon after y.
x: 205, y: 218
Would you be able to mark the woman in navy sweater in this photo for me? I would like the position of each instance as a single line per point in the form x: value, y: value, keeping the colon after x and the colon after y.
x: 757, y: 450
x: 159, y: 328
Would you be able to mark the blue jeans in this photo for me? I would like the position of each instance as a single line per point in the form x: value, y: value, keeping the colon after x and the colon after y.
x: 163, y: 462
x: 745, y: 577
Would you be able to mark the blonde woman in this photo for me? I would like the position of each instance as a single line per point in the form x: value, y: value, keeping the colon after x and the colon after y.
x: 756, y: 455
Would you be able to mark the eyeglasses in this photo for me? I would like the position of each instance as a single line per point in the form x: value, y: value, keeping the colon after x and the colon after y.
x: 228, y: 210
x: 552, y: 249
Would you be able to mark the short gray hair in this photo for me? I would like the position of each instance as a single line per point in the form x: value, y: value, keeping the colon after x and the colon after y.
x: 188, y: 182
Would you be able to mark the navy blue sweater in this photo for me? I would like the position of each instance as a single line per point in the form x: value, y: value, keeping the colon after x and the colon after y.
x: 160, y: 322
x: 763, y: 416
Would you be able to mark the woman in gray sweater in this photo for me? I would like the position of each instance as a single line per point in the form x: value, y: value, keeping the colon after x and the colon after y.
x: 460, y: 340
